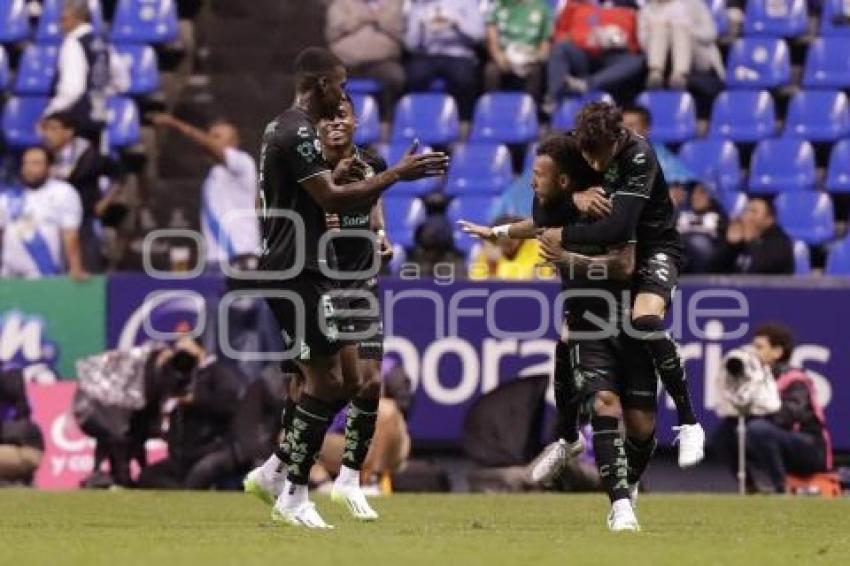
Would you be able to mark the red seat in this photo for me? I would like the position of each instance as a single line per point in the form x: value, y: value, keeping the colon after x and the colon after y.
x: 826, y: 484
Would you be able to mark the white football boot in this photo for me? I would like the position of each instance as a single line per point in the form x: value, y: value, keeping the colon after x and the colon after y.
x: 260, y: 485
x: 553, y: 459
x: 691, y: 439
x: 622, y: 517
x: 303, y: 515
x: 353, y: 499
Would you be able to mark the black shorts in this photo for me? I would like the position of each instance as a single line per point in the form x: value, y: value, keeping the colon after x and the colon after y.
x: 620, y: 365
x: 305, y: 309
x: 363, y: 295
x: 657, y: 273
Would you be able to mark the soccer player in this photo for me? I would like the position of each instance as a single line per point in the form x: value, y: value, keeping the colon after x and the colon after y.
x: 296, y: 189
x: 642, y: 205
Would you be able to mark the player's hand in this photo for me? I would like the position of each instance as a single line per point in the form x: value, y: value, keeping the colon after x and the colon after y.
x: 349, y: 170
x: 480, y: 232
x: 162, y: 119
x: 385, y: 247
x: 413, y: 166
x: 592, y: 202
x: 550, y: 245
x: 332, y: 221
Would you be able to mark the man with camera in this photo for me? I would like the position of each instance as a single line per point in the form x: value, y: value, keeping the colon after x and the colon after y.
x: 786, y: 430
x: 21, y: 441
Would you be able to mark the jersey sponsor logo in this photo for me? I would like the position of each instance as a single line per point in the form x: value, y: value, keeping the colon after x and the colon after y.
x: 639, y: 159
x: 304, y: 132
x: 308, y: 150
x: 24, y: 345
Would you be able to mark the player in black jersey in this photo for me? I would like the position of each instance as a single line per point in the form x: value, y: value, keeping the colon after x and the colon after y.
x: 296, y: 189
x: 632, y: 174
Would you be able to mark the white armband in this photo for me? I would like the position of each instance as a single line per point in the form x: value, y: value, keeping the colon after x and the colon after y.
x: 502, y: 231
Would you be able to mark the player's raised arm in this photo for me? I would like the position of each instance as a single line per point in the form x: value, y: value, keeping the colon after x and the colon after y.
x: 522, y: 230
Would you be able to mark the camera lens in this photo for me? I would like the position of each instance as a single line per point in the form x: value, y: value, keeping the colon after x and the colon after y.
x: 735, y: 367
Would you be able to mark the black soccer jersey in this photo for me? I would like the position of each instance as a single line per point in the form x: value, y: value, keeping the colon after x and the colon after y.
x: 357, y: 253
x: 291, y: 153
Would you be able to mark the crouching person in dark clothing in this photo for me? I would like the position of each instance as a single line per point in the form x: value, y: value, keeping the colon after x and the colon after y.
x: 21, y: 442
x: 203, y: 397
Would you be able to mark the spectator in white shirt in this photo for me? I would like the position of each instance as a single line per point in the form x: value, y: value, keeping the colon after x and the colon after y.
x: 89, y: 71
x: 228, y: 218
x: 40, y: 223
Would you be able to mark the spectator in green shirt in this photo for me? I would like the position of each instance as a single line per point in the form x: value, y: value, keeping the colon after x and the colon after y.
x: 518, y: 39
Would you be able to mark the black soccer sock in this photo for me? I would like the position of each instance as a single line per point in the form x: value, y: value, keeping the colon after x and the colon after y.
x: 359, y: 430
x: 611, y: 461
x: 667, y: 362
x: 639, y: 453
x: 310, y: 421
x: 282, y: 451
x: 565, y: 398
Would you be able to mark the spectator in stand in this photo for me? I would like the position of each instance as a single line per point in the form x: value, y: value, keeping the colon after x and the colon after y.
x: 702, y: 227
x: 89, y: 71
x: 508, y: 259
x: 40, y: 223
x: 367, y: 35
x: 639, y: 120
x: 21, y: 441
x: 793, y: 439
x: 80, y: 164
x: 595, y: 48
x: 756, y: 244
x: 434, y: 253
x: 682, y: 31
x: 228, y: 217
x: 442, y: 37
x: 519, y: 40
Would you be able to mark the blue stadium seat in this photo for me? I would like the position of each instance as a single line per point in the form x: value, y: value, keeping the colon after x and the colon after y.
x: 122, y: 122
x: 4, y: 69
x: 505, y: 117
x: 733, y: 202
x: 743, y: 116
x: 720, y: 14
x: 475, y: 208
x: 20, y: 120
x: 818, y: 116
x: 530, y: 155
x: 838, y: 172
x: 828, y: 64
x: 14, y: 21
x: 758, y: 62
x: 806, y: 216
x: 403, y: 213
x: 369, y: 125
x: 838, y: 260
x: 479, y: 168
x: 48, y: 30
x: 431, y: 117
x: 145, y: 21
x: 569, y: 107
x: 674, y: 116
x: 37, y: 70
x: 363, y: 86
x: 802, y: 259
x: 715, y: 161
x: 141, y: 60
x: 398, y: 260
x: 782, y: 164
x: 834, y: 11
x: 392, y: 154
x: 776, y: 18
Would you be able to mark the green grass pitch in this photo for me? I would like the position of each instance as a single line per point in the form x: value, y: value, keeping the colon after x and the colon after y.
x: 165, y: 529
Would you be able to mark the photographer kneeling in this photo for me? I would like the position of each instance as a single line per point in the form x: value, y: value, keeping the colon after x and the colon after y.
x: 203, y: 396
x: 786, y: 430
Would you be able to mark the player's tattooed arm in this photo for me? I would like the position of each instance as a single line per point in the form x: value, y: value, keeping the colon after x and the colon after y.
x: 522, y: 230
x: 617, y: 264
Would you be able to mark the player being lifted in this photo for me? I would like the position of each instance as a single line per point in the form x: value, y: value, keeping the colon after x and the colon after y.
x: 296, y: 189
x: 611, y: 375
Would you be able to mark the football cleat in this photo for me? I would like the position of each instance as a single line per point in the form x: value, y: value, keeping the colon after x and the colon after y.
x: 622, y: 517
x: 691, y: 439
x: 353, y: 498
x: 305, y: 515
x: 266, y: 490
x: 553, y: 459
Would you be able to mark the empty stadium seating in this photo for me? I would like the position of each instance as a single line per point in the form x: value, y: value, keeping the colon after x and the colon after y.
x: 716, y: 161
x: 505, y: 117
x: 674, y: 117
x: 777, y: 18
x: 802, y: 259
x: 828, y: 64
x: 141, y: 61
x: 123, y: 122
x: 431, y: 117
x: 362, y: 86
x: 392, y: 154
x: 4, y: 69
x: 475, y: 208
x: 20, y: 120
x: 743, y: 116
x: 369, y: 125
x: 145, y: 21
x: 838, y: 261
x: 479, y: 168
x: 806, y: 216
x: 733, y: 202
x: 720, y: 14
x: 14, y: 21
x: 565, y: 114
x: 818, y: 116
x: 782, y: 164
x: 37, y: 70
x: 48, y: 30
x: 758, y: 62
x: 838, y: 172
x: 833, y: 12
x: 403, y: 213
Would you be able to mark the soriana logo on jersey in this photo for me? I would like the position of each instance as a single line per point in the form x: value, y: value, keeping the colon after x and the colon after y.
x: 68, y: 453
